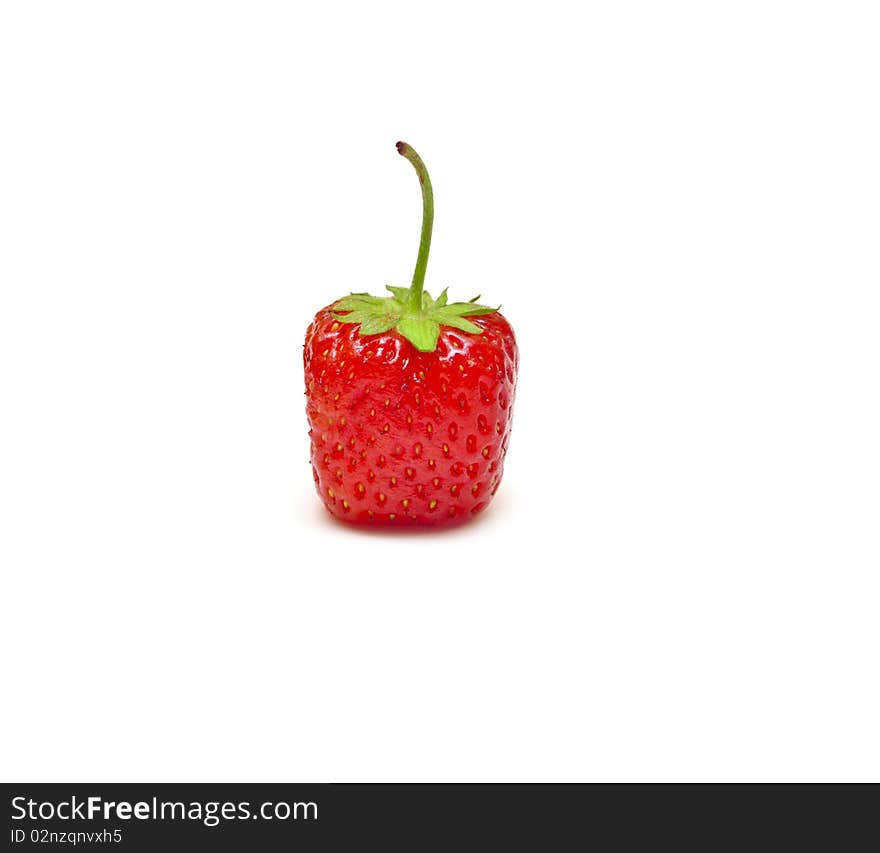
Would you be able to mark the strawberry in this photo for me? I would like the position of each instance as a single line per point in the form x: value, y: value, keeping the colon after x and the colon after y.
x: 409, y: 399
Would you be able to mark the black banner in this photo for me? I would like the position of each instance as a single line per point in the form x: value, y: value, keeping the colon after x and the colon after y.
x: 141, y: 817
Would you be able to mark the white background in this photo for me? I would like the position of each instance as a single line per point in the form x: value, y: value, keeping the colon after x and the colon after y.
x: 678, y: 206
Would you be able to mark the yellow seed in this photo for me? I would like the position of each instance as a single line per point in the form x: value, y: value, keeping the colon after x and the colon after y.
x: 335, y: 396
x: 334, y: 327
x: 372, y: 413
x: 392, y: 516
x: 394, y: 481
x: 422, y: 374
x: 382, y: 497
x: 405, y: 503
x: 326, y: 352
x: 453, y: 490
x: 341, y: 420
x: 485, y: 452
x: 432, y: 505
x: 330, y: 493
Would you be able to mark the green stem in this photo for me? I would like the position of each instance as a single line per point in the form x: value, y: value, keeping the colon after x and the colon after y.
x: 418, y: 281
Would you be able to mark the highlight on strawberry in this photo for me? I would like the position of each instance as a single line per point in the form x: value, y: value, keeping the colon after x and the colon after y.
x: 409, y: 399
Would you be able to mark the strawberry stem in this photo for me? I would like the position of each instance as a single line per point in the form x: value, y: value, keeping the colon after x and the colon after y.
x: 418, y: 281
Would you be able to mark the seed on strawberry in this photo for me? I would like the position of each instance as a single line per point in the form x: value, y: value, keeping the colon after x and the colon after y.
x: 412, y: 395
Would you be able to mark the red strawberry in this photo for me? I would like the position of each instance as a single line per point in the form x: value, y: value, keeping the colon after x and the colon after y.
x: 409, y: 400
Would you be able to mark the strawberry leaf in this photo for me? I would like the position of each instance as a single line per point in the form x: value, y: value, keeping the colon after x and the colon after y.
x: 358, y: 302
x: 462, y: 324
x: 377, y: 325
x: 421, y: 332
x: 401, y: 294
x: 421, y: 326
x: 464, y: 309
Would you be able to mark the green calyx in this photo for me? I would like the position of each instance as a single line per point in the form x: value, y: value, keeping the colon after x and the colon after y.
x: 410, y: 310
x: 420, y: 326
